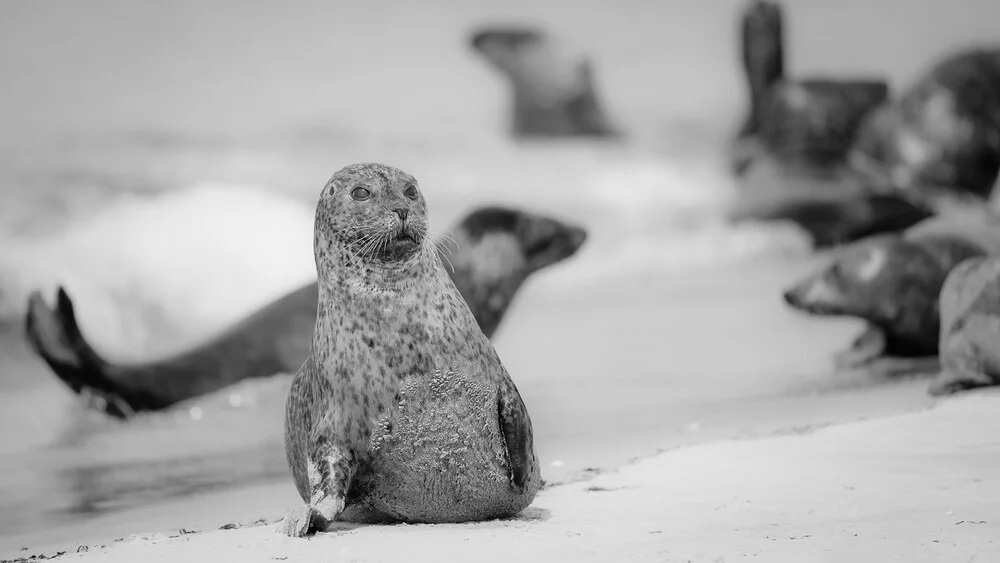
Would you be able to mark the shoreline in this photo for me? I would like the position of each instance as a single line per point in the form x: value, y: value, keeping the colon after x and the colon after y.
x: 839, y: 490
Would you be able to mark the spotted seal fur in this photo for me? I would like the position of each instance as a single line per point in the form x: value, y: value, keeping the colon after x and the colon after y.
x: 402, y: 410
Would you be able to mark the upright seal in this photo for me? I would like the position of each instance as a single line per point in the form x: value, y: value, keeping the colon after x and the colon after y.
x: 791, y: 154
x: 402, y: 410
x: 554, y: 89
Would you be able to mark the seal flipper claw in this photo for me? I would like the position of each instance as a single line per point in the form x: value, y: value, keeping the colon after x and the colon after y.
x: 296, y: 523
x: 947, y: 383
x: 516, y: 430
x: 868, y: 346
x: 962, y: 371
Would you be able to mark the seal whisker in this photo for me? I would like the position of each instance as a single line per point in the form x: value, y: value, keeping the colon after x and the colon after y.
x: 444, y: 257
x: 445, y: 237
x: 437, y: 247
x: 369, y: 243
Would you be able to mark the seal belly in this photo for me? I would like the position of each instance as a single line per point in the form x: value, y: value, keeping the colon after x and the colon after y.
x: 438, y: 456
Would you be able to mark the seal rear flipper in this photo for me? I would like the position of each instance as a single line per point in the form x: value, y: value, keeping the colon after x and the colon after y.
x: 515, y: 427
x: 55, y: 336
x: 45, y: 334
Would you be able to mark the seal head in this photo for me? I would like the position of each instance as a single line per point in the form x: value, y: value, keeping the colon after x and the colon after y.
x: 369, y: 234
x: 509, y: 245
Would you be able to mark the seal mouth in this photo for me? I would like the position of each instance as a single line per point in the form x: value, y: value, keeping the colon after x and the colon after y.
x: 403, y: 244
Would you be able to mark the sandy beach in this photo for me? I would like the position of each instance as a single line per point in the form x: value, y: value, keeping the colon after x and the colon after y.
x: 916, y: 487
x: 681, y: 411
x: 592, y: 413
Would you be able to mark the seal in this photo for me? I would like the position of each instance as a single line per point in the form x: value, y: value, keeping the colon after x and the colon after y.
x: 792, y: 153
x: 403, y: 410
x: 554, y: 89
x: 941, y: 139
x: 492, y: 252
x: 970, y: 327
x: 893, y: 282
x: 810, y: 122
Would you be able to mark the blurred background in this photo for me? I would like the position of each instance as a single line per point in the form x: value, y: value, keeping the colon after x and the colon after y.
x: 108, y: 104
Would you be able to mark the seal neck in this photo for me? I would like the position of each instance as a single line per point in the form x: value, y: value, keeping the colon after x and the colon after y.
x: 352, y: 277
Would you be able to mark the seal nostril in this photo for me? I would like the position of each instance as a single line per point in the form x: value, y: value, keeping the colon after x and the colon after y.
x: 402, y: 212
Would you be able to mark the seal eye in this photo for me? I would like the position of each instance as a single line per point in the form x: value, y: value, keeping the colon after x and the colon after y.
x: 410, y: 191
x: 360, y: 193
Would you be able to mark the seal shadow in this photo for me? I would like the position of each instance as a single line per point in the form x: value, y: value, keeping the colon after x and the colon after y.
x: 530, y: 514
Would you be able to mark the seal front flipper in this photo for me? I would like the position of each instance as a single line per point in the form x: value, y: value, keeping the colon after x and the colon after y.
x: 329, y: 469
x: 515, y: 426
x: 868, y: 346
x: 869, y: 352
x: 953, y: 380
x: 322, y: 468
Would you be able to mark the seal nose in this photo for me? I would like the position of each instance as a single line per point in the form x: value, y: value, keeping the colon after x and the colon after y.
x: 791, y: 297
x: 402, y: 212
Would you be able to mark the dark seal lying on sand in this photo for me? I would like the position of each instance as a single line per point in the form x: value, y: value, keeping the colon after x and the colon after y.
x: 894, y: 282
x: 497, y: 250
x: 402, y: 411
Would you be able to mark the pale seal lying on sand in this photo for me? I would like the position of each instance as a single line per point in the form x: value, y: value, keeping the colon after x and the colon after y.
x: 498, y: 248
x: 970, y: 327
x: 791, y: 154
x: 403, y: 410
x: 554, y: 90
x: 894, y: 281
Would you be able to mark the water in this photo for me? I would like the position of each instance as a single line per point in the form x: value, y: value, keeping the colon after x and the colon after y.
x: 109, y: 103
